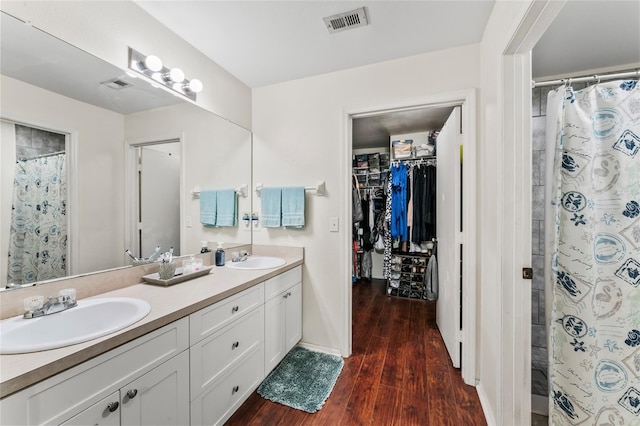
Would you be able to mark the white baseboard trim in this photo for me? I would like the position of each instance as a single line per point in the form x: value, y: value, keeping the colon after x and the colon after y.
x: 540, y: 404
x: 322, y: 349
x: 486, y: 407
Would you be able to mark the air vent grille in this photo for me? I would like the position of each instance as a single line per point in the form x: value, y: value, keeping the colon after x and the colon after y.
x: 116, y: 83
x: 347, y: 20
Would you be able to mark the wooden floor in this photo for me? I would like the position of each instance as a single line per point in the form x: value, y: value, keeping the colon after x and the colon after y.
x: 398, y: 374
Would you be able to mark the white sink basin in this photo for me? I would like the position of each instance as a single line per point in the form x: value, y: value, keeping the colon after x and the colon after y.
x: 257, y: 262
x: 89, y: 320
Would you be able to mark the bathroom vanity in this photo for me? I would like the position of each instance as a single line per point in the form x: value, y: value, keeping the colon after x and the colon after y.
x: 202, y: 350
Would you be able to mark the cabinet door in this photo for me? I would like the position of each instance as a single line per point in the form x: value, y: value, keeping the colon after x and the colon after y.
x: 274, y: 331
x: 293, y: 321
x: 160, y: 397
x: 105, y: 412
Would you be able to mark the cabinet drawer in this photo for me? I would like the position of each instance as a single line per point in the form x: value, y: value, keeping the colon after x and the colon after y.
x: 211, y: 319
x: 62, y: 396
x: 279, y: 283
x: 216, y: 353
x: 219, y: 401
x: 99, y: 414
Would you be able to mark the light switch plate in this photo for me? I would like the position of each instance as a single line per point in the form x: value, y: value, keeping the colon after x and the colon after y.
x: 333, y: 224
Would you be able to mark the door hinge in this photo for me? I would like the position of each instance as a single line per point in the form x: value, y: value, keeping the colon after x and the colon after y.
x: 527, y: 273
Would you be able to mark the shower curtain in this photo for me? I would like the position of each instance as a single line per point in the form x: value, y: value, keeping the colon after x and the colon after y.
x: 38, y: 234
x: 595, y: 320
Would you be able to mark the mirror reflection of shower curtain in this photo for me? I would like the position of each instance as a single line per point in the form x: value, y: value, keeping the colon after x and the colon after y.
x: 595, y: 320
x: 38, y: 234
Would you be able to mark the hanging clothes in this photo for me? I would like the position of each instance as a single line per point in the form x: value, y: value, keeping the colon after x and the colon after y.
x: 357, y: 213
x: 594, y: 349
x: 424, y: 204
x: 399, y: 202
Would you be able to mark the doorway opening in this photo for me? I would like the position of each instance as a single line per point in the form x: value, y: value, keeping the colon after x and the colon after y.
x: 155, y: 193
x: 439, y: 108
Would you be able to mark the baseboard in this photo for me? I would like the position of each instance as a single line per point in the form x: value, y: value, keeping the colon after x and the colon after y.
x: 540, y: 404
x: 486, y: 407
x: 322, y: 349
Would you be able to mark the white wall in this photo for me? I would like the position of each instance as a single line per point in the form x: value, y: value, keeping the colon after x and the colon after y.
x: 299, y: 138
x: 107, y: 28
x: 99, y: 180
x: 217, y: 155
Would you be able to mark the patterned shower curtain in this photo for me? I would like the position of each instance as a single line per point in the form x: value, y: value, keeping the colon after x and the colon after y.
x: 595, y: 319
x: 38, y: 235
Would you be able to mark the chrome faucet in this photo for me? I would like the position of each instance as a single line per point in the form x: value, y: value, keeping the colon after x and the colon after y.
x: 36, y: 308
x: 240, y: 257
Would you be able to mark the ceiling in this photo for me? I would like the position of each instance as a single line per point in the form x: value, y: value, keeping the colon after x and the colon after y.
x: 266, y: 42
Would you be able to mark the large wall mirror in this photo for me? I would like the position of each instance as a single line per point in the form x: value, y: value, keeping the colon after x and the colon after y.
x: 86, y: 127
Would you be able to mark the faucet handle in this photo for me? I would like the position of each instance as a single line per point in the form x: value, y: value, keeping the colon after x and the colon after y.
x: 68, y: 294
x: 33, y: 303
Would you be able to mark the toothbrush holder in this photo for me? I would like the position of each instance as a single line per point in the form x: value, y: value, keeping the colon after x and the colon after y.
x: 139, y: 262
x: 167, y: 270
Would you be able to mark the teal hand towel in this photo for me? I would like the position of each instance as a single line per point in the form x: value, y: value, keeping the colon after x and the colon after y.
x: 208, y: 202
x: 271, y: 207
x: 293, y: 207
x: 226, y: 207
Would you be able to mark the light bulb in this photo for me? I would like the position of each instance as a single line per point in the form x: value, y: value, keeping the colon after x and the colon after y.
x: 194, y: 86
x: 176, y: 75
x: 153, y: 63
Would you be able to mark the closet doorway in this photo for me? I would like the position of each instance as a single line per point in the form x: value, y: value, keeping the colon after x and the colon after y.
x: 372, y: 132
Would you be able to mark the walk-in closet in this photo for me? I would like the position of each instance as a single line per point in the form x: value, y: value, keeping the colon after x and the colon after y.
x: 397, y: 201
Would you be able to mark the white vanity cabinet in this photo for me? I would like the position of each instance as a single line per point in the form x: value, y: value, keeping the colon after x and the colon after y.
x: 283, y: 316
x: 145, y: 381
x: 227, y: 355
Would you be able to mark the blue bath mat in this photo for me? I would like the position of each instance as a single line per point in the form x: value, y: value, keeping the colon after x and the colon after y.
x: 303, y: 380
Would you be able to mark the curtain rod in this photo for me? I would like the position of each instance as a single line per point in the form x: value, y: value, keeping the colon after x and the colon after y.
x: 596, y: 77
x: 42, y: 156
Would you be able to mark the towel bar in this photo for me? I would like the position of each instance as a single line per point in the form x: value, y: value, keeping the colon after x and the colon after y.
x: 242, y: 190
x: 320, y: 188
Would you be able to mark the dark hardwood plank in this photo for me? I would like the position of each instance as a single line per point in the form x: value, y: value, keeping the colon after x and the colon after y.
x: 399, y: 373
x: 386, y: 410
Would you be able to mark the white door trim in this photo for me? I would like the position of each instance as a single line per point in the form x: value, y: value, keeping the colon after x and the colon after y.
x: 514, y: 404
x: 130, y: 201
x: 466, y: 98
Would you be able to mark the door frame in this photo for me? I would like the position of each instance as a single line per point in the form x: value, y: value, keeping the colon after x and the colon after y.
x: 131, y: 191
x: 467, y: 100
x: 514, y: 385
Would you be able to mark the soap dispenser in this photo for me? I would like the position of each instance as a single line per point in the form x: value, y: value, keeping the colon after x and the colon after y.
x: 220, y: 255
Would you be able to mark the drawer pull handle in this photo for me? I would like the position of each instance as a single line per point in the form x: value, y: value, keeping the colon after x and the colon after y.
x: 113, y: 406
x: 235, y: 389
x: 286, y: 295
x: 131, y: 393
x: 235, y: 345
x: 234, y: 309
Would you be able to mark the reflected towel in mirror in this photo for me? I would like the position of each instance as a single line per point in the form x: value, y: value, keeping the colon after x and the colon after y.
x: 208, y: 207
x: 226, y: 208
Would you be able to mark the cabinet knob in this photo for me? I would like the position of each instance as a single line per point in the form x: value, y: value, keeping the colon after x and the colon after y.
x: 113, y: 406
x: 234, y: 309
x: 235, y: 345
x: 131, y: 393
x: 235, y: 389
x: 285, y: 295
x: 288, y: 294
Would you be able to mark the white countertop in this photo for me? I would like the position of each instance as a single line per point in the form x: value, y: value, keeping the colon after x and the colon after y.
x: 167, y: 305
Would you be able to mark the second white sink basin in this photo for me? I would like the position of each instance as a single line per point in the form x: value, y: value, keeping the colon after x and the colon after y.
x: 257, y: 262
x: 89, y: 320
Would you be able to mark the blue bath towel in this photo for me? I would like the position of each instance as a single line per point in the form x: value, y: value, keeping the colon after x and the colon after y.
x: 271, y: 207
x: 293, y: 207
x: 226, y: 207
x: 208, y: 202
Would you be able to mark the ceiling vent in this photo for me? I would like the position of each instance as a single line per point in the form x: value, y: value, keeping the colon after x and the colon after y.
x: 346, y: 21
x: 117, y: 83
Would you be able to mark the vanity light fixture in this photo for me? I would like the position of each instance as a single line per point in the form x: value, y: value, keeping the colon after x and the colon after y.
x: 172, y: 78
